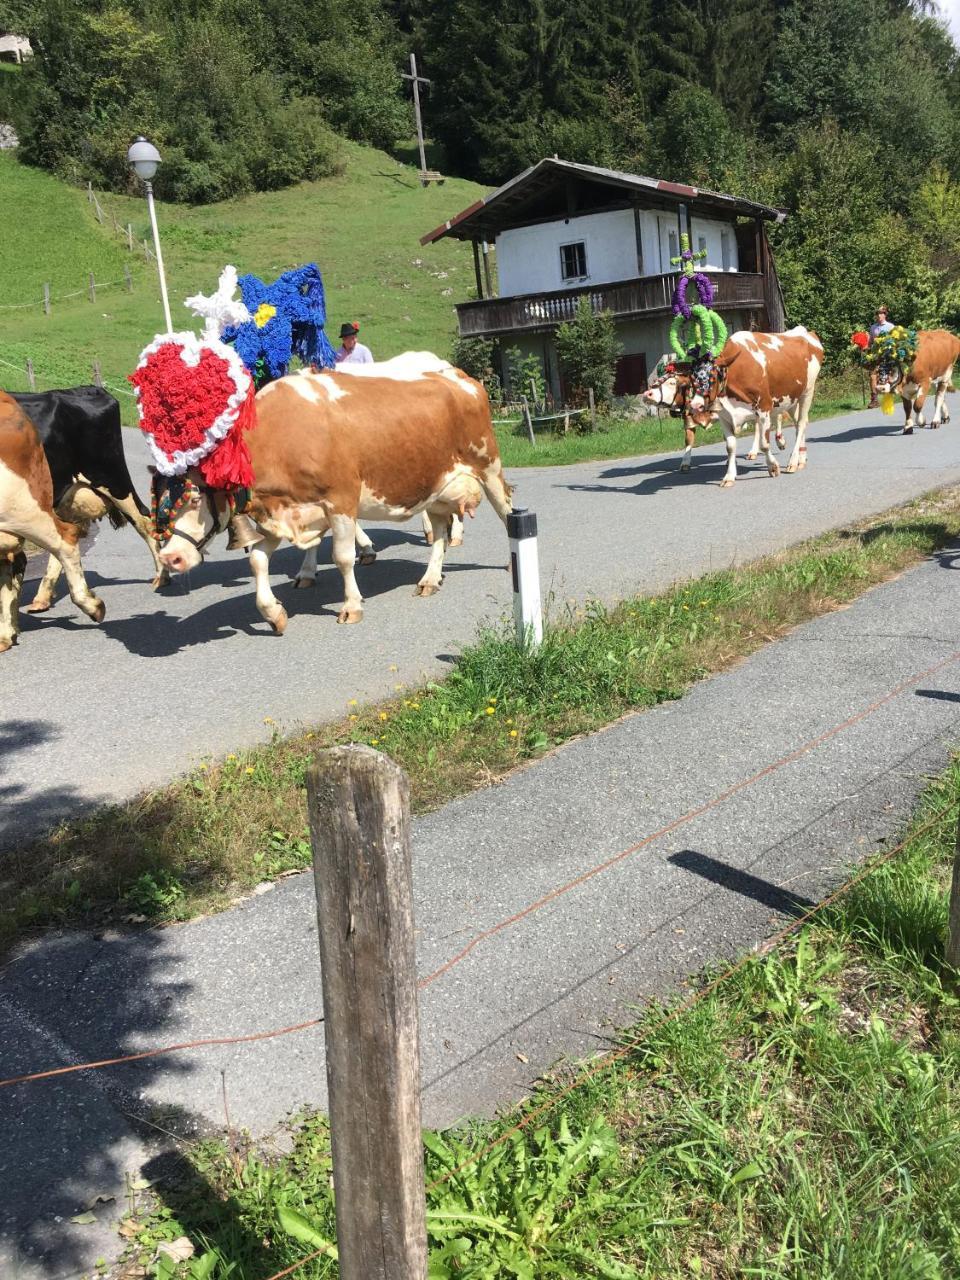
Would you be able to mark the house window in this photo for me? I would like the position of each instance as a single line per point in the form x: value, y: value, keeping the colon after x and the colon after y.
x: 725, y: 250
x: 702, y: 247
x: 674, y: 245
x: 573, y: 261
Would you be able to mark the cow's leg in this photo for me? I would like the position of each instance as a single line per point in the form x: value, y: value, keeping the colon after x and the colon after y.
x: 344, y: 530
x: 455, y: 530
x: 778, y: 428
x: 755, y: 447
x: 908, y: 416
x: 365, y: 551
x: 42, y: 601
x: 431, y: 581
x: 801, y: 419
x: 307, y: 573
x: 763, y: 421
x: 940, y: 416
x: 267, y: 603
x: 12, y: 567
x: 427, y: 527
x: 128, y: 506
x: 689, y: 436
x: 730, y: 440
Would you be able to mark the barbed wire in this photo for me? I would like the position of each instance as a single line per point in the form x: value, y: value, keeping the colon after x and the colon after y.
x: 120, y: 391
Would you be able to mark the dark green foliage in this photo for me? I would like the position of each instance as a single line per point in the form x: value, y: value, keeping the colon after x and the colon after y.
x: 238, y: 97
x: 587, y: 350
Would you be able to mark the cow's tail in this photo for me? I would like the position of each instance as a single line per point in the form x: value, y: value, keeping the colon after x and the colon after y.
x: 499, y: 492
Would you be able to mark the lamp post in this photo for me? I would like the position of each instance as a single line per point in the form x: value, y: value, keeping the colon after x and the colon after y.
x: 143, y: 158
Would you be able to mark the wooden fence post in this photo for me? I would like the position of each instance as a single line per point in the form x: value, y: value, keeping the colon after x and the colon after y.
x: 46, y: 299
x: 591, y: 400
x: 130, y: 237
x: 31, y: 379
x: 89, y: 193
x: 359, y: 803
x: 529, y: 421
x: 97, y: 375
x: 128, y: 278
x: 952, y: 953
x: 92, y: 288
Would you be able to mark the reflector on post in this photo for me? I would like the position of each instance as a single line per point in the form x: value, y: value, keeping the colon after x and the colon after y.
x: 525, y: 569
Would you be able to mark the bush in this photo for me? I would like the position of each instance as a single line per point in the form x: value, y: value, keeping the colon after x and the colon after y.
x: 521, y: 371
x: 587, y: 351
x: 476, y: 357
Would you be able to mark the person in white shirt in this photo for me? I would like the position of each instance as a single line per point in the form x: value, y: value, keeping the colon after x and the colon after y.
x: 880, y: 326
x: 350, y: 350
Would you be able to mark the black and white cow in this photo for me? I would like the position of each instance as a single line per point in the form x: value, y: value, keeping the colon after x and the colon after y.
x: 82, y: 439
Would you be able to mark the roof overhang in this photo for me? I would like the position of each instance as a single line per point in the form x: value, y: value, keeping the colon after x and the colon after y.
x: 554, y: 189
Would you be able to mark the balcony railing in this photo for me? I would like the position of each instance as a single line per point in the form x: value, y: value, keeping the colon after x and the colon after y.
x: 644, y: 296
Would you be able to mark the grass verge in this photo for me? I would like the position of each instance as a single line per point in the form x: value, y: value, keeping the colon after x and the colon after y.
x: 192, y: 846
x: 799, y: 1119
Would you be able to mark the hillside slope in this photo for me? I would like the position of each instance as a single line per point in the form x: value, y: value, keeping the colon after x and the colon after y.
x: 362, y: 228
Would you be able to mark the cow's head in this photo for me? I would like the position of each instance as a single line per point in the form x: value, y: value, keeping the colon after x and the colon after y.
x: 890, y: 374
x: 700, y: 384
x: 186, y: 514
x: 663, y: 383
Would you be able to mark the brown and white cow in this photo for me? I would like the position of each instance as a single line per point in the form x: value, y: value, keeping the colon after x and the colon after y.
x: 661, y: 392
x: 27, y: 514
x: 329, y: 448
x: 756, y: 377
x: 937, y: 352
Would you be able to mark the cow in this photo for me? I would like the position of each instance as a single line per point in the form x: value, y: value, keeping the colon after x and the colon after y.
x: 661, y: 391
x: 27, y: 514
x: 306, y: 575
x: 328, y: 448
x: 82, y: 439
x: 937, y: 352
x: 757, y: 376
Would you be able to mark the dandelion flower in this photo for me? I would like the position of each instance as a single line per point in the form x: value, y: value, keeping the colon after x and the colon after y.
x: 248, y: 769
x: 354, y: 717
x: 374, y: 742
x: 352, y: 702
x: 513, y: 733
x: 415, y: 705
x: 203, y: 768
x: 491, y: 710
x: 397, y: 688
x: 384, y: 716
x: 268, y: 720
x: 231, y: 756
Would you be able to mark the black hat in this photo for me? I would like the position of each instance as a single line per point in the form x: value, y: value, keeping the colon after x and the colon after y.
x: 349, y: 330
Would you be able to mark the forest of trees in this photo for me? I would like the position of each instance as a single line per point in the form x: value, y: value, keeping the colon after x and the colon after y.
x: 846, y: 113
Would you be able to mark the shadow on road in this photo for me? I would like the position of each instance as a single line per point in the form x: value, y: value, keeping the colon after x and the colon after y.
x: 22, y: 810
x: 722, y: 874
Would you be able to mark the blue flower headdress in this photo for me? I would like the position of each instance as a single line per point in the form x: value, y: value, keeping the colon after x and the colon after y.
x: 286, y: 319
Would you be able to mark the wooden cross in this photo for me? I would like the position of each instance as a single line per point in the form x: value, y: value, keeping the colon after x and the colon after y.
x: 686, y: 264
x: 426, y: 175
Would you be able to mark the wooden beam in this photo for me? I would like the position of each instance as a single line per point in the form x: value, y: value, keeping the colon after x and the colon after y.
x: 476, y: 267
x: 486, y: 269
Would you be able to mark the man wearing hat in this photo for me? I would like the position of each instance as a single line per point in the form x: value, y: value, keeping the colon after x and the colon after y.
x: 351, y: 351
x: 880, y: 326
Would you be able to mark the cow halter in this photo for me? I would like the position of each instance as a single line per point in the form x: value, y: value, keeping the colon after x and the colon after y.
x: 165, y: 509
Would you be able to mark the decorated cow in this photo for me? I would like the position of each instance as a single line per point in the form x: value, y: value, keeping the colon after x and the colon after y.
x: 909, y: 362
x: 313, y: 451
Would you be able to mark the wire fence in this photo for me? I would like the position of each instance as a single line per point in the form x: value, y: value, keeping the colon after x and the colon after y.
x: 628, y: 1047
x: 29, y: 375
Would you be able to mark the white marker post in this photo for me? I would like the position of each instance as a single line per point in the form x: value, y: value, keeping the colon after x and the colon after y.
x: 525, y: 568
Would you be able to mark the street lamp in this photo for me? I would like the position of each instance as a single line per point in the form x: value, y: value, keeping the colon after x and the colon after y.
x: 143, y: 158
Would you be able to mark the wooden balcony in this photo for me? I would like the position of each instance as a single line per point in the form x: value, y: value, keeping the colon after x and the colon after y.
x: 626, y: 299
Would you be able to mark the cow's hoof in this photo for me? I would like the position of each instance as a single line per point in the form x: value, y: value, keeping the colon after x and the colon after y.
x: 781, y: 443
x: 455, y: 542
x: 40, y: 605
x: 908, y: 431
x: 303, y: 583
x: 790, y: 468
x: 751, y: 457
x: 161, y: 580
x: 7, y: 642
x: 684, y: 466
x: 368, y: 557
x: 428, y: 537
x: 726, y: 484
x: 427, y: 588
x: 99, y: 610
x: 279, y: 621
x: 350, y: 615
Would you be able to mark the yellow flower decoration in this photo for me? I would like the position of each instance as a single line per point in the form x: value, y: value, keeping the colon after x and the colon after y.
x: 263, y: 314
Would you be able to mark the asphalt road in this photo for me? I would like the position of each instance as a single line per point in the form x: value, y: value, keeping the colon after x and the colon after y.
x: 547, y: 909
x: 94, y: 714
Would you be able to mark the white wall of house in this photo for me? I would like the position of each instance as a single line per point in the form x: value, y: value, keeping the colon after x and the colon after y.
x: 530, y: 259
